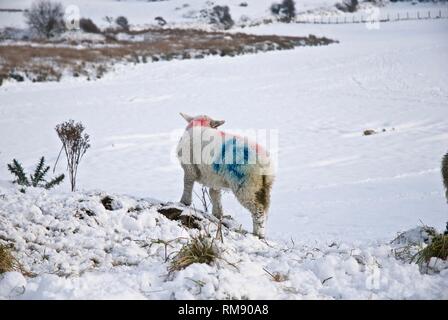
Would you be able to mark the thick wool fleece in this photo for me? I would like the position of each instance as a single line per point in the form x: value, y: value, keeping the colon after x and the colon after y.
x: 220, y: 160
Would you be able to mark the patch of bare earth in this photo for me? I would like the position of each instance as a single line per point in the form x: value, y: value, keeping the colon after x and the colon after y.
x: 47, y: 61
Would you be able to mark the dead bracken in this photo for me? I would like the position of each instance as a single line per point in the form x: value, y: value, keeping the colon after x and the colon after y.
x: 200, y: 249
x: 9, y: 263
x: 45, y: 60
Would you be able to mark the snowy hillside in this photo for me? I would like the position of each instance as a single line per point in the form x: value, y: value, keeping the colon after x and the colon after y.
x: 79, y: 250
x: 340, y: 197
x: 187, y: 12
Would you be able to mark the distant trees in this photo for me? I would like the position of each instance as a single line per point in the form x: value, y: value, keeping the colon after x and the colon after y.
x: 348, y: 5
x: 87, y: 25
x: 284, y: 11
x: 219, y: 15
x: 46, y: 18
x: 122, y: 22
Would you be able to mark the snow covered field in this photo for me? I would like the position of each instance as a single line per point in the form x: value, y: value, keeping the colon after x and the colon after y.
x: 333, y: 183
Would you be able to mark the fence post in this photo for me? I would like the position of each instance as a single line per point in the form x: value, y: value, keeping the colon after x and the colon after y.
x: 440, y: 13
x: 418, y: 15
x: 388, y: 18
x: 398, y: 16
x: 429, y: 14
x: 345, y: 19
x: 337, y: 20
x: 407, y: 15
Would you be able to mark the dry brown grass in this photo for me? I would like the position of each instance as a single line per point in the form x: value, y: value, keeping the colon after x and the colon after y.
x: 438, y: 248
x: 42, y: 61
x: 9, y: 263
x: 200, y: 249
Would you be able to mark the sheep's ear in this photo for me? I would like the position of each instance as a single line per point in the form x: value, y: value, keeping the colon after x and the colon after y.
x: 186, y: 117
x: 216, y: 123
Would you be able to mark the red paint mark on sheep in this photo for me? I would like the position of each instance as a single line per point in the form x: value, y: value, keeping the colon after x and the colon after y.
x: 204, y: 122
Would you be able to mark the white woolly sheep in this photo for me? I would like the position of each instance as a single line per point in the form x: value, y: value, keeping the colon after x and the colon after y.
x: 445, y: 175
x: 219, y: 161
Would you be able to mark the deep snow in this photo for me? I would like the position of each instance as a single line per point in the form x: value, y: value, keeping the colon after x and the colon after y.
x: 80, y: 250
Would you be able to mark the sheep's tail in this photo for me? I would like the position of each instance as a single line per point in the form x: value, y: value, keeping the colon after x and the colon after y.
x: 445, y: 173
x: 264, y: 193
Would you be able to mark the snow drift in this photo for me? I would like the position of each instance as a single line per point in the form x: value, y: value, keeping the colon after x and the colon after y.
x: 78, y: 249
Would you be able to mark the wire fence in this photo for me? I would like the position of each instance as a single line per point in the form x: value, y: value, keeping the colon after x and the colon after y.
x: 374, y: 17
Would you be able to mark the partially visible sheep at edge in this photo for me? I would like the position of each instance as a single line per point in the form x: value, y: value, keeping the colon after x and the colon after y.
x: 445, y: 173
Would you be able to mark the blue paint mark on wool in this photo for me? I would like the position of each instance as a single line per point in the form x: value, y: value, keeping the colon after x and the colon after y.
x: 233, y: 160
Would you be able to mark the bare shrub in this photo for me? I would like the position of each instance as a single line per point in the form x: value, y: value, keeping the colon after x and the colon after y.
x: 122, y: 22
x: 46, y: 18
x: 204, y: 198
x: 347, y: 5
x: 109, y: 20
x: 87, y: 25
x: 200, y: 249
x: 219, y: 15
x: 284, y: 11
x: 75, y: 144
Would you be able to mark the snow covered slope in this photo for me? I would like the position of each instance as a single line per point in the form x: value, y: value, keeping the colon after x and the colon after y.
x: 80, y: 250
x: 332, y: 183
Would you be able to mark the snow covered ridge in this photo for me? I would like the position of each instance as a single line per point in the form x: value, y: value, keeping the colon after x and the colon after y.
x: 189, y: 13
x: 75, y: 55
x: 94, y: 246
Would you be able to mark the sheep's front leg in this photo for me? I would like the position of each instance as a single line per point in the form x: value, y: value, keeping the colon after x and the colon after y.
x: 215, y: 196
x: 187, y: 195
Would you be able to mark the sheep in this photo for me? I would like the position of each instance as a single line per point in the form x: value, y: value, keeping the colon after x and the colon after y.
x: 445, y: 181
x: 445, y: 175
x: 222, y: 161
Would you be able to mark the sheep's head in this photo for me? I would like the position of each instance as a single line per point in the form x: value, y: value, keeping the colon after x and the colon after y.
x: 201, y: 121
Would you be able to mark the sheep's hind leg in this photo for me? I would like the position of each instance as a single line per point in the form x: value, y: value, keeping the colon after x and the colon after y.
x: 187, y: 195
x: 259, y: 223
x: 215, y: 196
